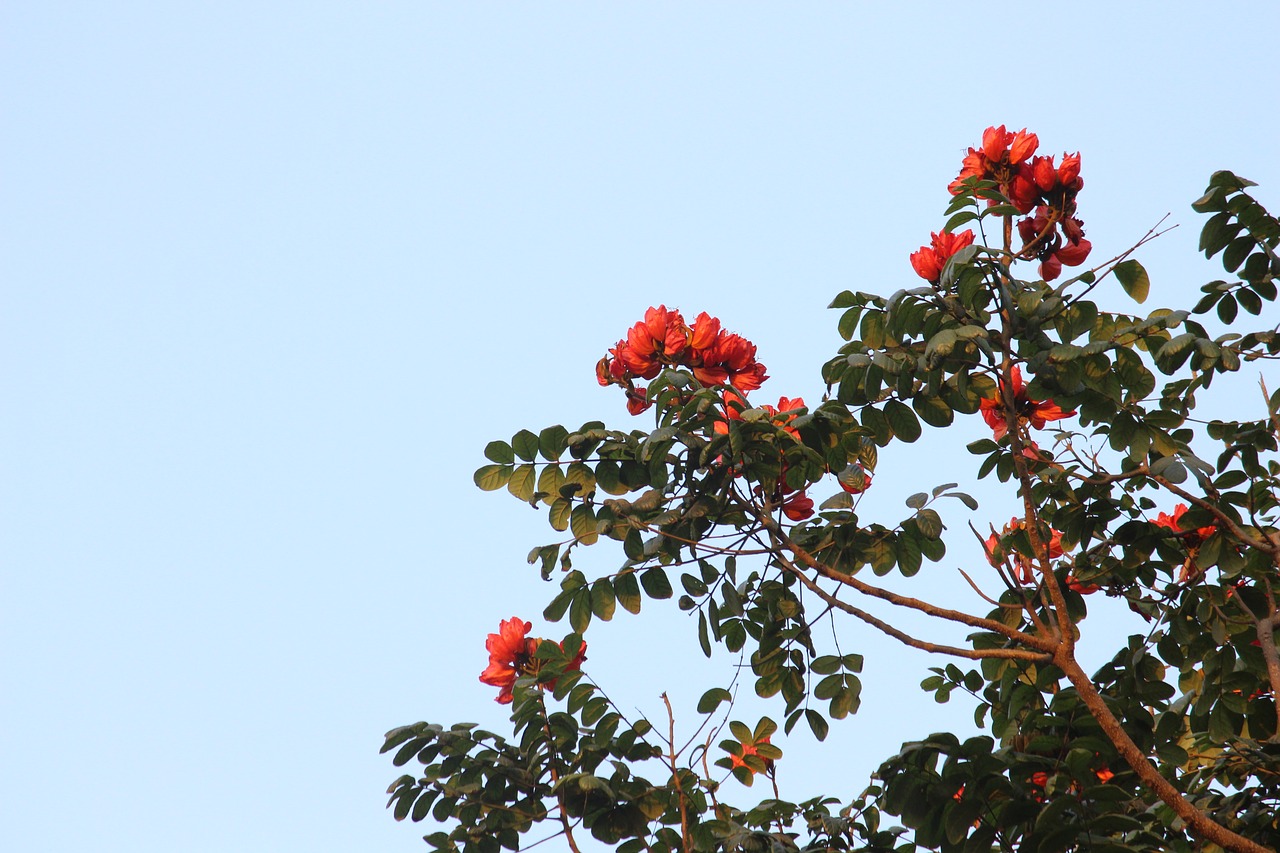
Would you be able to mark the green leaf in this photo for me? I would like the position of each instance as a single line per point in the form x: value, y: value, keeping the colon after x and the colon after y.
x: 521, y: 482
x: 712, y: 699
x: 933, y: 410
x: 500, y: 452
x: 817, y: 723
x: 552, y: 441
x: 1133, y: 278
x: 903, y: 421
x: 930, y: 523
x: 656, y: 583
x: 492, y: 477
x: 583, y: 523
x: 825, y: 665
x: 603, y: 599
x: 550, y: 481
x: 580, y: 611
x: 525, y: 444
x: 559, y: 514
x: 556, y: 609
x: 627, y: 588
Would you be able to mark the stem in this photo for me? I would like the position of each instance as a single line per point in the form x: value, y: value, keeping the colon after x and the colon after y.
x: 675, y: 774
x: 553, y: 764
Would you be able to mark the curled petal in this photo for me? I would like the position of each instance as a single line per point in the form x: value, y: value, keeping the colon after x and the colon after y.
x: 1022, y: 146
x: 927, y: 264
x: 995, y: 142
x: 704, y: 331
x: 1074, y: 254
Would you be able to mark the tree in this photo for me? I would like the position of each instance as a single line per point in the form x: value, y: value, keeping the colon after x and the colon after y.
x: 1172, y: 745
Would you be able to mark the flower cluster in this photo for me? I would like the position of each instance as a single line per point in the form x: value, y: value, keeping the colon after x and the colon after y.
x: 930, y: 260
x: 511, y: 655
x: 724, y: 360
x: 1053, y: 235
x: 663, y: 339
x: 1035, y: 413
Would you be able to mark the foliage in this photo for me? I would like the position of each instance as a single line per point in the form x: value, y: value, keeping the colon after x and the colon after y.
x: 1171, y: 745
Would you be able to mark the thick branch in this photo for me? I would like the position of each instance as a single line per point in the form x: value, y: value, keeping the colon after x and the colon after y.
x: 1197, y: 821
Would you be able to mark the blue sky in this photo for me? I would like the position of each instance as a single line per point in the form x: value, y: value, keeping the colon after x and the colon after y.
x: 273, y: 274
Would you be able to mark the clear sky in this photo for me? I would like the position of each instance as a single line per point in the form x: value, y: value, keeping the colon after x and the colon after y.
x: 274, y: 273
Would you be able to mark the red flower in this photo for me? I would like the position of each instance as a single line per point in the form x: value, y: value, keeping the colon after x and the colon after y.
x: 855, y: 479
x: 1192, y: 539
x: 1000, y: 145
x: 1174, y: 522
x: 798, y: 507
x: 1082, y: 588
x: 930, y: 260
x: 511, y: 653
x: 1035, y: 413
x: 1003, y: 159
x: 662, y: 339
x: 750, y: 749
x: 1023, y: 566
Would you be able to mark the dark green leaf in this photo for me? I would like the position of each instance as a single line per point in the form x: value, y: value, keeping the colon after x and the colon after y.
x: 656, y: 583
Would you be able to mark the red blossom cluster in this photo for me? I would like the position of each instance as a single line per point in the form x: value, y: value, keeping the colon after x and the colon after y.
x: 1192, y: 539
x: 930, y: 260
x: 511, y: 655
x: 716, y: 358
x: 663, y: 339
x: 1053, y: 235
x: 1035, y: 413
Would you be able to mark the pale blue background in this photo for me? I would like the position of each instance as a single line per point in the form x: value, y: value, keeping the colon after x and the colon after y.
x: 273, y: 273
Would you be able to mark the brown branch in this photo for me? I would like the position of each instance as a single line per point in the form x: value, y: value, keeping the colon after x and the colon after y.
x: 907, y: 639
x: 555, y: 781
x: 675, y: 774
x: 1043, y: 644
x: 1197, y: 821
x: 1225, y: 520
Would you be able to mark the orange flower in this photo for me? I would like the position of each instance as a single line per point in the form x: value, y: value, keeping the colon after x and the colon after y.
x: 1081, y: 587
x: 855, y: 479
x: 930, y: 260
x: 511, y: 653
x: 1192, y: 539
x: 1041, y: 240
x: 1104, y: 775
x: 1024, y: 567
x: 750, y: 749
x: 663, y: 339
x: 1003, y: 159
x: 1035, y: 413
x: 798, y: 507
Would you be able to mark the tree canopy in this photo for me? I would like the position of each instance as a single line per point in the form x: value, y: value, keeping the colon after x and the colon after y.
x: 747, y: 513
